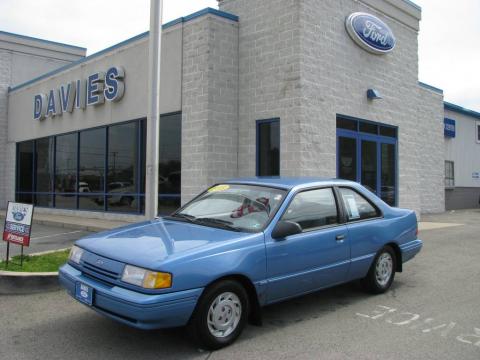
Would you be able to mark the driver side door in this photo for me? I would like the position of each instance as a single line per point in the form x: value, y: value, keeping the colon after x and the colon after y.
x: 316, y: 258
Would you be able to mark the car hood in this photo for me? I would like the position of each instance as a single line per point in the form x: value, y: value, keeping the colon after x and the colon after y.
x: 149, y: 243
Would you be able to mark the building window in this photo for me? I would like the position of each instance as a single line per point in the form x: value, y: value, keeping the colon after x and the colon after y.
x: 478, y: 132
x: 91, y: 169
x: 24, y: 184
x: 449, y: 174
x: 268, y: 147
x: 169, y: 168
x: 44, y: 152
x: 367, y: 153
x: 66, y: 171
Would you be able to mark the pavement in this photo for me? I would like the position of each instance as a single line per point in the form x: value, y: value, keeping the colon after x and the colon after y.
x: 431, y: 312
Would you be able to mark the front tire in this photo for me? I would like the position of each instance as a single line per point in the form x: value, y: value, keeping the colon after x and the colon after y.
x: 382, y: 272
x: 220, y: 315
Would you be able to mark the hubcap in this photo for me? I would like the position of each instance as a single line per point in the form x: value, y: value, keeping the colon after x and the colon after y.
x: 384, y: 269
x: 224, y: 314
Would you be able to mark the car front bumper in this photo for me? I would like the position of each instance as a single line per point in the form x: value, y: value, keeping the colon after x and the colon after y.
x: 143, y: 311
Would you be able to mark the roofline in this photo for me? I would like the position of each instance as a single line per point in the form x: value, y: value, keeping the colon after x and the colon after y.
x: 125, y: 42
x: 430, y: 87
x: 42, y: 40
x: 418, y: 7
x: 461, y: 110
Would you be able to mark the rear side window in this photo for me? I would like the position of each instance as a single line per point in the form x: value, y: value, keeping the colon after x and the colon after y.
x: 313, y: 209
x: 357, y: 206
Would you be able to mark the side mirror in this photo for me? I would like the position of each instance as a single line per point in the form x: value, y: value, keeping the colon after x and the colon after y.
x: 285, y: 228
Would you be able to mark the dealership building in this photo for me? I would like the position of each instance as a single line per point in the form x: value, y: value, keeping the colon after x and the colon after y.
x: 266, y: 88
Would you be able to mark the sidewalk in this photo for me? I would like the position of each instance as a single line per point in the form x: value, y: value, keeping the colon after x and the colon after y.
x: 72, y: 222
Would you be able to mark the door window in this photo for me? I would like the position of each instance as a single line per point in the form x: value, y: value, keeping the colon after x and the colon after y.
x: 356, y: 206
x: 313, y: 209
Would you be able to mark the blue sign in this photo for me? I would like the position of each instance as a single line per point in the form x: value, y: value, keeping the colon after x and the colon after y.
x: 370, y: 33
x: 449, y: 128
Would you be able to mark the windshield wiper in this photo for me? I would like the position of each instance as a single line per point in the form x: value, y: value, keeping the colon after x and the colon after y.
x: 222, y: 223
x: 189, y: 218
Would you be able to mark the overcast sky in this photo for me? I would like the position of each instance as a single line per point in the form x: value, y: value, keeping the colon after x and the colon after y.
x: 449, y: 44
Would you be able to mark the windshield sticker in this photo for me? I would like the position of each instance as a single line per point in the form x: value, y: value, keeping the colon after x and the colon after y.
x: 352, y: 207
x: 219, y: 188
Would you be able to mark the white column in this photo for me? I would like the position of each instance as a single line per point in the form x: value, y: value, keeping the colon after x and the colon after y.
x: 153, y: 115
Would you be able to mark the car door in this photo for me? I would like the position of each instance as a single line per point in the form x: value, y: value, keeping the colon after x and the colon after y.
x: 317, y: 257
x: 365, y: 228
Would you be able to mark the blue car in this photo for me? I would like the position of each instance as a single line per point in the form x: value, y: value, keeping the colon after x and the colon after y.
x: 236, y: 247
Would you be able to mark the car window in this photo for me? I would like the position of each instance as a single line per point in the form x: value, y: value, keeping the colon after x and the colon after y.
x: 357, y: 206
x: 312, y: 209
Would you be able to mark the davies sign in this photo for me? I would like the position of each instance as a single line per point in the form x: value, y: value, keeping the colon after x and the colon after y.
x: 370, y: 33
x: 78, y: 94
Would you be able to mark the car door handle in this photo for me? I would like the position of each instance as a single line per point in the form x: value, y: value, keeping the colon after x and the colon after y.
x: 340, y: 238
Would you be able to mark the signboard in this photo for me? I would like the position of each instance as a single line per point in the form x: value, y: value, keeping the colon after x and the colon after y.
x: 18, y: 223
x: 476, y: 175
x: 97, y: 88
x: 449, y: 128
x: 370, y: 33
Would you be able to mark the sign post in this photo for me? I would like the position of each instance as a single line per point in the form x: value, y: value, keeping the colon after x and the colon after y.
x: 18, y: 227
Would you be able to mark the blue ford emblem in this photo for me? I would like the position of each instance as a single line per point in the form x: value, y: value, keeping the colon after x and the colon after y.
x: 370, y: 33
x: 18, y: 216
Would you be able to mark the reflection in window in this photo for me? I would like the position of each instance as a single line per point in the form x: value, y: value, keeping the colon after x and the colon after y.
x: 24, y: 172
x: 388, y: 174
x: 44, y: 171
x: 169, y: 170
x: 123, y: 167
x: 268, y: 148
x: 313, y: 209
x: 66, y: 171
x: 449, y: 174
x: 347, y: 162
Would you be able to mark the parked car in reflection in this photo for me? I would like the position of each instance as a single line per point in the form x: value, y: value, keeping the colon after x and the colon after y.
x: 236, y: 247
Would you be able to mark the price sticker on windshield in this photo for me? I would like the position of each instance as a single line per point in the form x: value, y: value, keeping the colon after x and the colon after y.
x: 218, y: 188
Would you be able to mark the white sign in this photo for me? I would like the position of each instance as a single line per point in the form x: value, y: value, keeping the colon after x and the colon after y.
x: 352, y: 207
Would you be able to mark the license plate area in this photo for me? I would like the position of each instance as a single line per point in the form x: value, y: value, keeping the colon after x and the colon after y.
x: 84, y: 293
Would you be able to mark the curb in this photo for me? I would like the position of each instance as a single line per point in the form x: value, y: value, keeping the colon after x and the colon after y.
x: 19, y: 283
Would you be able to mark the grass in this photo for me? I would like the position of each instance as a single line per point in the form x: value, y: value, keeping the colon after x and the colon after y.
x: 40, y: 263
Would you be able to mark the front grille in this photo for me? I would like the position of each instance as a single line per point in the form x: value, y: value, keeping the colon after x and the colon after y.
x: 95, y: 269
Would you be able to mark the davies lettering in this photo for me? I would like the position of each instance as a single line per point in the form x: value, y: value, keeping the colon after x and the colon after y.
x: 97, y: 88
x: 370, y: 33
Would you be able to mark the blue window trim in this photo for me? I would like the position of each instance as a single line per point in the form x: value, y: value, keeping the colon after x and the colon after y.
x: 379, y: 140
x: 257, y: 142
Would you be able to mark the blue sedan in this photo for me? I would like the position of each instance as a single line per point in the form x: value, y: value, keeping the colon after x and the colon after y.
x: 236, y: 247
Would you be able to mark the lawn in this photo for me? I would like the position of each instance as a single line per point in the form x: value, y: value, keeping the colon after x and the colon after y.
x: 41, y: 263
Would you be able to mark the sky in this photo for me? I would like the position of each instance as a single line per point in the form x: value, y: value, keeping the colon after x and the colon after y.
x: 449, y: 41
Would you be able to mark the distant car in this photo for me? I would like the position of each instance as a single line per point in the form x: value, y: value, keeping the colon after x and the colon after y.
x: 236, y: 247
x: 83, y: 187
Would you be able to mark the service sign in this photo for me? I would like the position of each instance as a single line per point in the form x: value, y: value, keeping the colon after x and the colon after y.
x: 370, y: 33
x: 18, y: 223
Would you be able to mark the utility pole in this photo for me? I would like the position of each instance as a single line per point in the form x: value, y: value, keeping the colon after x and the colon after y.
x: 153, y: 115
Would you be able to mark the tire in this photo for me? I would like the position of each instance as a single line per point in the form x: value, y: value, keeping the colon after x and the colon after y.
x: 208, y: 327
x: 382, y: 272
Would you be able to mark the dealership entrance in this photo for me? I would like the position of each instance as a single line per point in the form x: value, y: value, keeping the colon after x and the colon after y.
x: 367, y: 153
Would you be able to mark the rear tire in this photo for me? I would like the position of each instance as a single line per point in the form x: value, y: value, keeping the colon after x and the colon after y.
x: 220, y: 315
x: 382, y: 272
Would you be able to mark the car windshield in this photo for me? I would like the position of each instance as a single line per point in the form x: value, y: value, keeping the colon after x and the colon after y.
x: 233, y: 207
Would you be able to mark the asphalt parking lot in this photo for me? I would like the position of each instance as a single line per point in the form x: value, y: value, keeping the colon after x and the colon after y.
x: 44, y: 238
x: 431, y: 312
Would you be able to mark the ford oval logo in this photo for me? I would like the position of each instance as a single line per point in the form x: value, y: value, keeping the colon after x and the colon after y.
x: 370, y: 33
x: 100, y: 262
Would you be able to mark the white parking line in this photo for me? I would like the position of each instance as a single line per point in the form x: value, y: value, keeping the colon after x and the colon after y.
x: 47, y: 236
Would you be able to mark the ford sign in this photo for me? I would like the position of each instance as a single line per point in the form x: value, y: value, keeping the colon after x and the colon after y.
x: 370, y: 33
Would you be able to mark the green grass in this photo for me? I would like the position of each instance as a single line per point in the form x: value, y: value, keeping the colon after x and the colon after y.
x: 41, y: 263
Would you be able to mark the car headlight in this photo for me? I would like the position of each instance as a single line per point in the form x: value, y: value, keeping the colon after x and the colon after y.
x: 146, y: 278
x: 75, y: 254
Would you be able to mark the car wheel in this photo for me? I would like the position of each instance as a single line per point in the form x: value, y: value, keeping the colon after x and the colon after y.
x: 220, y: 315
x: 382, y: 272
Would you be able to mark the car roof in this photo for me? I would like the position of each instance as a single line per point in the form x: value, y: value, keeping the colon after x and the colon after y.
x: 289, y: 183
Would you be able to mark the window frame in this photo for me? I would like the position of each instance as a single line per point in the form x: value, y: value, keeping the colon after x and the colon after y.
x: 340, y: 214
x: 345, y: 212
x: 447, y: 186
